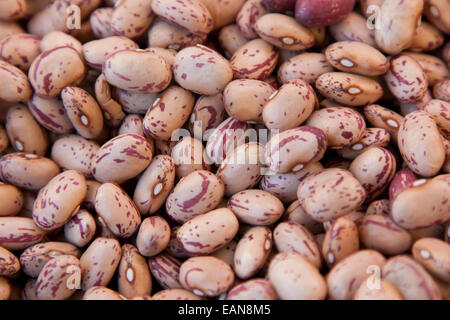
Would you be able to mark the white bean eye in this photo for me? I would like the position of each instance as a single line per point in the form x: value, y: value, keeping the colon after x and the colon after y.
x: 298, y: 167
x: 392, y: 123
x: 84, y: 120
x: 419, y: 182
x: 198, y: 292
x: 130, y: 275
x: 330, y: 257
x: 347, y: 63
x: 157, y: 189
x: 357, y: 147
x: 19, y: 145
x: 354, y: 90
x: 287, y: 40
x: 425, y: 254
x: 267, y: 244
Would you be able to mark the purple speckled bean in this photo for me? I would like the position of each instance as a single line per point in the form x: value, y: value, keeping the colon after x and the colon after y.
x: 308, y: 66
x: 434, y: 255
x: 20, y: 50
x: 297, y: 214
x: 372, y: 137
x: 153, y: 236
x: 207, y: 114
x: 440, y: 112
x: 247, y: 16
x: 9, y: 264
x: 80, y: 230
x: 100, y: 20
x: 189, y: 156
x: 59, y: 200
x: 383, y: 118
x: 254, y: 289
x: 50, y: 114
x: 16, y: 87
x: 56, y: 39
x: 166, y: 270
x: 18, y: 233
x: 131, y: 18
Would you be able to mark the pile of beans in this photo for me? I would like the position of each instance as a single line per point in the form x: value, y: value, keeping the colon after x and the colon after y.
x: 128, y: 172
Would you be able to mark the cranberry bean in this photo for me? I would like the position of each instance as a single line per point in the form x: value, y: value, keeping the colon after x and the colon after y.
x: 9, y: 264
x: 208, y: 113
x: 254, y: 289
x: 16, y: 87
x: 50, y: 114
x: 131, y: 18
x: 231, y: 39
x: 426, y: 38
x: 322, y: 13
x: 353, y: 28
x: 305, y: 66
x: 153, y: 236
x: 435, y: 69
x: 166, y: 270
x: 386, y: 291
x: 20, y: 50
x: 246, y: 18
x: 440, y: 112
x: 441, y: 90
x: 383, y: 118
x: 175, y: 294
x: 100, y: 20
x: 189, y: 156
x: 80, y: 230
x: 434, y: 255
x: 18, y: 233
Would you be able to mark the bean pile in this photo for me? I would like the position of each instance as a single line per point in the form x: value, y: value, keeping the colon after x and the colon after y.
x: 224, y: 149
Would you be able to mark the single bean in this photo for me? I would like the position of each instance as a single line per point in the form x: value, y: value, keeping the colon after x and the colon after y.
x: 9, y: 264
x: 426, y: 38
x: 50, y: 114
x: 153, y: 236
x: 100, y: 20
x: 436, y: 11
x: 353, y: 28
x: 80, y: 230
x: 254, y: 289
x: 189, y: 156
x: 175, y: 294
x: 56, y: 39
x: 223, y: 13
x: 434, y: 255
x: 386, y: 291
x: 441, y: 90
x: 131, y: 18
x: 20, y: 50
x: 166, y: 270
x: 208, y: 114
x: 16, y: 86
x: 231, y: 39
x: 247, y: 16
x: 440, y: 112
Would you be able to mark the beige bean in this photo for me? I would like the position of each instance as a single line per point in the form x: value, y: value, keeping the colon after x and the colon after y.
x: 11, y: 199
x: 153, y: 236
x: 27, y: 171
x: 290, y: 106
x: 226, y: 253
x: 167, y: 54
x: 83, y: 111
x: 16, y: 86
x: 294, y: 278
x: 117, y: 210
x: 50, y: 114
x: 4, y: 142
x: 175, y: 294
x: 357, y: 57
x: 96, y: 52
x: 121, y: 158
x: 59, y: 200
x: 56, y: 39
x: 206, y: 276
x: 326, y: 195
x: 207, y: 233
x: 13, y: 9
x: 131, y: 18
x: 386, y: 291
x: 134, y: 102
x: 256, y: 207
x: 254, y: 60
x: 223, y: 13
x: 55, y: 69
x: 408, y: 206
x: 342, y: 126
x: 308, y: 66
x: 254, y: 289
x: 426, y: 38
x: 41, y: 23
x: 189, y: 156
x: 341, y: 240
x: 112, y: 110
x: 231, y: 39
x: 123, y: 69
x: 166, y: 270
x: 9, y: 264
x: 243, y: 106
x: 59, y: 278
x: 350, y: 273
x: 74, y: 153
x: 434, y: 255
x: 420, y: 144
x: 29, y: 290
x: 208, y: 114
x: 241, y: 169
x: 168, y: 113
x: 379, y: 207
x: 252, y: 251
x: 398, y: 25
x: 374, y: 169
x: 380, y: 233
x: 134, y: 277
x: 34, y: 258
x: 410, y: 278
x: 25, y: 134
x: 437, y: 12
x: 440, y: 112
x: 193, y: 63
x: 353, y: 28
x: 80, y: 230
x: 163, y: 34
x: 99, y: 262
x: 349, y: 89
x: 293, y: 149
x: 406, y: 79
x: 372, y: 137
x: 383, y: 118
x: 154, y: 185
x: 100, y: 20
x: 284, y: 32
x: 293, y: 237
x: 20, y: 50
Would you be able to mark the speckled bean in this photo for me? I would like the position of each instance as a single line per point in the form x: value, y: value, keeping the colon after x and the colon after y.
x: 206, y: 276
x: 254, y: 60
x: 372, y: 137
x: 254, y: 289
x: 379, y: 207
x: 16, y: 86
x: 117, y: 210
x: 434, y: 255
x: 134, y: 277
x: 231, y: 39
x: 20, y: 50
x: 208, y: 113
x: 383, y: 118
x: 102, y: 293
x: 189, y: 156
x: 293, y: 149
x: 330, y: 193
x: 398, y: 24
x: 59, y: 200
x: 294, y: 278
x: 408, y: 206
x: 99, y: 262
x: 284, y: 32
x: 247, y: 16
x: 55, y: 69
x: 440, y: 112
x: 296, y: 214
x: 410, y: 278
x: 112, y: 110
x: 252, y: 251
x: 437, y: 12
x: 166, y: 270
x: 100, y: 20
x: 124, y: 70
x: 420, y: 144
x: 441, y: 90
x: 386, y: 291
x: 50, y: 114
x: 349, y: 89
x: 56, y: 39
x: 9, y: 264
x: 308, y: 66
x: 80, y: 230
x: 435, y: 69
x: 175, y: 294
x: 213, y: 230
x: 58, y: 279
x: 353, y: 28
x: 153, y: 236
x: 121, y: 158
x: 426, y: 38
x: 131, y: 18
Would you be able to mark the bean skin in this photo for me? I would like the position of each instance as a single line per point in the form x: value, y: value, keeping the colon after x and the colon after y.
x: 80, y: 230
x: 433, y: 254
x: 9, y: 264
x: 50, y: 114
x: 308, y: 66
x: 387, y: 291
x: 153, y: 236
x: 166, y: 270
x: 175, y: 294
x: 254, y: 289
